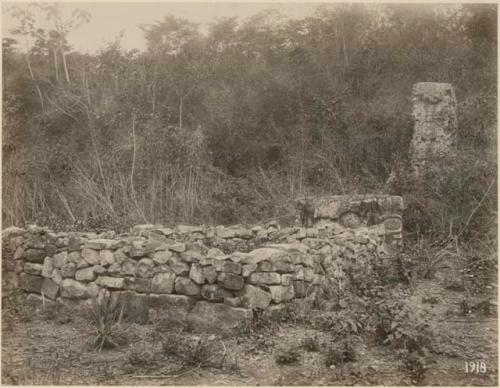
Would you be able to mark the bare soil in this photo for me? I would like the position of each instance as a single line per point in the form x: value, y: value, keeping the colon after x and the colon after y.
x: 43, y: 348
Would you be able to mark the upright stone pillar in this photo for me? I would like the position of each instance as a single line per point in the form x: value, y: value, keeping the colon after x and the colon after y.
x: 435, y: 115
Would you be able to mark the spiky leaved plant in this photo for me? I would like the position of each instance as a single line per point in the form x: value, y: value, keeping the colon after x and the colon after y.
x: 106, y: 315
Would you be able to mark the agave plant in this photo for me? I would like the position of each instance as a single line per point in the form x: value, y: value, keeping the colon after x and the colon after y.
x: 106, y: 314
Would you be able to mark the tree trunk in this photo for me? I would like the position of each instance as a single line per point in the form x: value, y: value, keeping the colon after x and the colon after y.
x: 65, y: 65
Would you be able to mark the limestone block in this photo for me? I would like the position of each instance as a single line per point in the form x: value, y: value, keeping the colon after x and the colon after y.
x: 247, y: 269
x: 282, y: 293
x: 50, y: 289
x: 34, y: 255
x: 161, y: 257
x: 179, y: 267
x: 145, y: 268
x: 254, y: 297
x: 91, y: 256
x: 73, y: 289
x: 230, y: 280
x: 30, y: 283
x: 68, y: 270
x: 186, y: 286
x: 33, y: 268
x: 265, y: 278
x: 129, y: 267
x: 196, y: 274
x: 210, y: 274
x: 110, y: 282
x: 214, y: 293
x: 163, y: 283
x: 85, y: 274
x: 106, y: 257
x: 266, y: 266
x: 230, y: 267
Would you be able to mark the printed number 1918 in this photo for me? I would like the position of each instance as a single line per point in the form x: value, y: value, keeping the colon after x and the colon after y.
x: 475, y: 367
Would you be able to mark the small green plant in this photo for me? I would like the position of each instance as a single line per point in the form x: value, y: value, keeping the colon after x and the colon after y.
x: 106, y: 314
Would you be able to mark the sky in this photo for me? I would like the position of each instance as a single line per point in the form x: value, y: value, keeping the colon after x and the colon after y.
x: 108, y: 20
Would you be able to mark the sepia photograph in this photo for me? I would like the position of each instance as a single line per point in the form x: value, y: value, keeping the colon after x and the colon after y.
x: 249, y: 193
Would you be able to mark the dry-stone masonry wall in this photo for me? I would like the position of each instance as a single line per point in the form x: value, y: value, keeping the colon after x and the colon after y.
x: 215, y: 277
x: 355, y: 211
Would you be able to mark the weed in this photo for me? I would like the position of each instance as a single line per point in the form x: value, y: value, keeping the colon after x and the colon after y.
x: 310, y: 344
x: 106, y: 315
x: 141, y: 356
x: 287, y: 355
x: 339, y: 353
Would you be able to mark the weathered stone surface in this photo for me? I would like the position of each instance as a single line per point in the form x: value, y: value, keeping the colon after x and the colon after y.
x: 265, y: 278
x: 230, y: 267
x: 247, y: 269
x: 57, y: 276
x: 282, y: 293
x: 30, y: 283
x: 142, y: 285
x: 85, y: 274
x: 109, y: 282
x: 161, y: 257
x: 266, y: 254
x: 304, y: 273
x: 68, y: 270
x: 129, y: 267
x: 179, y: 267
x: 163, y: 283
x: 213, y: 292
x: 50, y: 289
x: 73, y: 289
x: 185, y: 229
x: 300, y: 288
x: 34, y: 255
x: 91, y: 256
x: 145, y: 268
x: 120, y: 256
x: 210, y: 274
x: 282, y: 267
x: 186, y: 286
x: 214, y: 252
x: 171, y: 302
x: 12, y: 231
x: 276, y: 312
x: 254, y: 297
x: 191, y: 256
x: 231, y: 281
x: 287, y: 279
x: 135, y: 306
x: 266, y: 266
x: 177, y: 247
x: 217, y: 317
x: 106, y: 257
x: 434, y: 112
x: 196, y: 274
x: 232, y: 301
x: 60, y: 259
x: 114, y: 269
x: 19, y: 253
x: 33, y: 268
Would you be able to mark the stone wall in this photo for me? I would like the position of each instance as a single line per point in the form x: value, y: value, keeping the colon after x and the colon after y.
x: 213, y: 276
x: 356, y: 211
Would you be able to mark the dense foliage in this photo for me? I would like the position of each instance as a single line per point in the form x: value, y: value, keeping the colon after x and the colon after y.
x: 231, y: 125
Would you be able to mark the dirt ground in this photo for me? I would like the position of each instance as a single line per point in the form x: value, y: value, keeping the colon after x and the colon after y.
x: 40, y: 348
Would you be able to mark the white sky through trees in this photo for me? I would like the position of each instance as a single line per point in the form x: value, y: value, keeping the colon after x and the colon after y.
x: 109, y: 20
